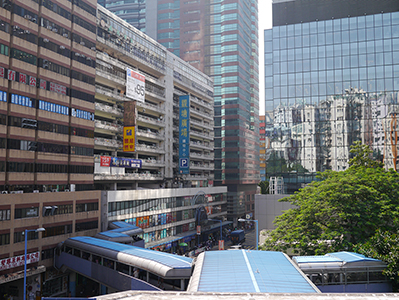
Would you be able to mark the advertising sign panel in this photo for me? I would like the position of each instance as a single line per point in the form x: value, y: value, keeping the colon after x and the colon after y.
x: 17, y: 261
x: 135, y: 85
x: 184, y: 134
x: 129, y: 139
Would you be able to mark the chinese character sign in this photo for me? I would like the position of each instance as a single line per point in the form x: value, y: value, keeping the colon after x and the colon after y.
x: 135, y: 85
x: 17, y: 261
x: 184, y: 134
x: 129, y: 139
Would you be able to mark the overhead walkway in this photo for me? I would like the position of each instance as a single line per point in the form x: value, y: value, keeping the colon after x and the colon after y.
x: 118, y: 265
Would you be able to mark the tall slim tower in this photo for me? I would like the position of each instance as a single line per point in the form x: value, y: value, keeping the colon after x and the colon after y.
x: 219, y: 38
x: 331, y: 78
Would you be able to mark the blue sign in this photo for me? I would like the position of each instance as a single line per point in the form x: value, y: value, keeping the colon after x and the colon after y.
x: 184, y: 134
x: 125, y: 162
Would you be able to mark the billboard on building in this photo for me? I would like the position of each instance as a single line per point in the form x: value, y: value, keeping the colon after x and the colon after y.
x: 129, y: 114
x: 135, y: 85
x: 129, y: 139
x: 108, y: 161
x: 184, y: 134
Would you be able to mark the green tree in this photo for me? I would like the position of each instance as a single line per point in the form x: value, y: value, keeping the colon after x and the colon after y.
x: 339, y: 211
x: 264, y: 187
x: 363, y: 156
x: 384, y: 245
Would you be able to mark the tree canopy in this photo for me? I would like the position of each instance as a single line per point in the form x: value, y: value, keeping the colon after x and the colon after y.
x: 384, y: 245
x: 341, y: 210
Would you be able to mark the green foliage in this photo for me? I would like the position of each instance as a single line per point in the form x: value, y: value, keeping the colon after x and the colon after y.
x: 363, y: 156
x: 343, y: 209
x: 264, y: 187
x: 384, y: 246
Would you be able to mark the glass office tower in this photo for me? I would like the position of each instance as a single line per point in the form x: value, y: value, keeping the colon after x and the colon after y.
x: 331, y: 78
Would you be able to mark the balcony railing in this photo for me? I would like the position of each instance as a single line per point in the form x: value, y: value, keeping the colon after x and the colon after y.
x: 107, y: 142
x: 108, y: 126
x: 109, y: 109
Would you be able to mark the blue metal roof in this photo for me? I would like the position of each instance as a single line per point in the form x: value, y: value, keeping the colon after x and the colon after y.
x: 344, y: 257
x: 112, y: 234
x: 167, y: 259
x: 351, y: 257
x: 316, y: 259
x: 245, y: 271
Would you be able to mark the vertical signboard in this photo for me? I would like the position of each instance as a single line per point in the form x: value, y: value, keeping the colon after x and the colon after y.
x: 129, y: 139
x: 135, y: 85
x: 184, y: 134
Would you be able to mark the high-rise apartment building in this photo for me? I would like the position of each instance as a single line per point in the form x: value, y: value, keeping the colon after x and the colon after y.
x: 331, y: 78
x: 47, y: 73
x: 219, y: 38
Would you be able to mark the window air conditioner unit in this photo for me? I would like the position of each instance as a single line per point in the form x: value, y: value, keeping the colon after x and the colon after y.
x: 65, y: 35
x: 36, y: 191
x: 34, y: 20
x: 66, y: 190
x: 4, y: 192
x: 54, y: 190
x: 82, y: 43
x: 45, y: 40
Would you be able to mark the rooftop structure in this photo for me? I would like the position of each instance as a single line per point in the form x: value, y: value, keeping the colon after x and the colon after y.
x: 248, y: 271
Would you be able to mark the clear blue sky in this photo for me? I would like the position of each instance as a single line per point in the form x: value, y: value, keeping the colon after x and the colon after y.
x: 264, y: 22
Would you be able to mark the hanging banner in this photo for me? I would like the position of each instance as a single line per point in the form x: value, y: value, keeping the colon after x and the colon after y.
x: 129, y: 139
x: 135, y: 85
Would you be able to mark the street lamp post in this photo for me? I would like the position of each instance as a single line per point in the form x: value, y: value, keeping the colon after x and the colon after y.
x: 26, y: 246
x: 257, y: 233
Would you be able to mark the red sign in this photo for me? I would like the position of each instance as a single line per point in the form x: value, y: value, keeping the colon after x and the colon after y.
x: 11, y: 75
x: 22, y: 78
x: 198, y: 230
x: 32, y: 81
x: 58, y: 88
x: 43, y: 84
x: 221, y: 244
x: 16, y: 261
x: 1, y: 72
x: 105, y: 161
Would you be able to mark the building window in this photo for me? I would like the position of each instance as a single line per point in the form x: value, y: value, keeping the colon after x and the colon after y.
x: 4, y: 239
x: 31, y: 212
x: 57, y: 230
x: 20, y: 236
x: 86, y: 226
x: 5, y: 214
x: 86, y: 207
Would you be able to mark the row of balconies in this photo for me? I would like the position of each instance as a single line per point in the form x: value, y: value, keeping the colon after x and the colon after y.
x: 160, y: 122
x: 109, y: 109
x: 150, y: 134
x: 135, y: 53
x: 108, y: 126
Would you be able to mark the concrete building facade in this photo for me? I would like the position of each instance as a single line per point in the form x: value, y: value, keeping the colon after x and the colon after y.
x: 220, y: 39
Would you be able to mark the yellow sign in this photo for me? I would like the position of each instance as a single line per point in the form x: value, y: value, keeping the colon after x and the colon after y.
x: 129, y: 139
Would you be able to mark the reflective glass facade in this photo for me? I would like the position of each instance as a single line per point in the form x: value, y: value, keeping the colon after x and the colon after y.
x: 329, y: 83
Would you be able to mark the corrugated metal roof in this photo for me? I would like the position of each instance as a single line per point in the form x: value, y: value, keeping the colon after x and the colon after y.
x: 166, y: 259
x: 344, y: 257
x: 350, y: 257
x: 248, y: 271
